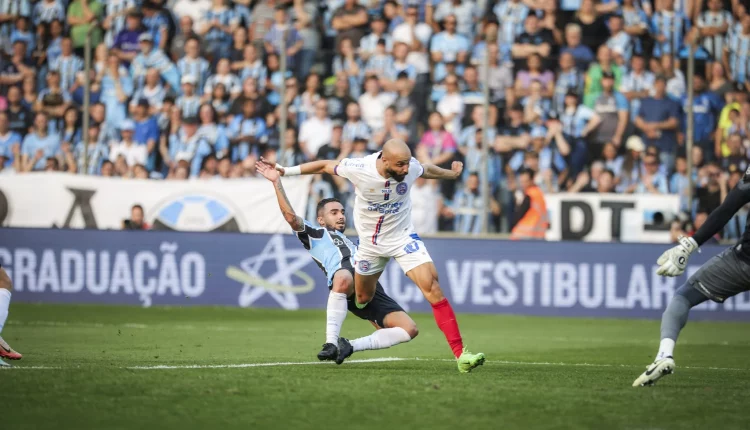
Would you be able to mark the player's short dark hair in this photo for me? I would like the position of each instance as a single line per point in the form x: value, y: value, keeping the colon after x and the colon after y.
x: 323, y: 203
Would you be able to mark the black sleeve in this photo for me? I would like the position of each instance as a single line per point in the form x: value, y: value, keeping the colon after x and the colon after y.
x: 521, y: 210
x: 715, y: 222
x: 308, y: 232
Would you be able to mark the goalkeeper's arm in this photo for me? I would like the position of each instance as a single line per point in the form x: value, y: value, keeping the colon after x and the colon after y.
x: 715, y: 222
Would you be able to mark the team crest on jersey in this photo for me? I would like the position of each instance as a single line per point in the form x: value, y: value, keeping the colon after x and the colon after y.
x: 337, y: 241
x: 364, y: 266
x: 401, y: 188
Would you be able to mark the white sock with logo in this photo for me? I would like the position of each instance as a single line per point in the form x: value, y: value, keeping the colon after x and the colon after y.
x: 335, y: 316
x: 666, y: 349
x: 4, y: 305
x: 381, y: 339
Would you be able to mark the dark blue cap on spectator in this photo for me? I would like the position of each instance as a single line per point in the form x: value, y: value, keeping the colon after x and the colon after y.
x: 608, y: 75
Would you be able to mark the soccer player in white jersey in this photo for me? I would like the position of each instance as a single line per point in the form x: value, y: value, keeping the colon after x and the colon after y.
x: 5, y: 350
x: 382, y: 216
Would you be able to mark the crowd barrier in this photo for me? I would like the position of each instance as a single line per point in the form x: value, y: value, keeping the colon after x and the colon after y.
x: 275, y: 271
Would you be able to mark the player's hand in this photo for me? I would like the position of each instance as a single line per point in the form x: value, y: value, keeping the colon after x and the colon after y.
x: 673, y: 262
x: 267, y: 170
x: 273, y: 166
x: 457, y: 167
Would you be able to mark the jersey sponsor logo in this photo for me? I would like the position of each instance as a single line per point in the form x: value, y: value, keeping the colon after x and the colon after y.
x: 353, y: 165
x: 401, y: 188
x: 385, y: 208
x: 364, y: 265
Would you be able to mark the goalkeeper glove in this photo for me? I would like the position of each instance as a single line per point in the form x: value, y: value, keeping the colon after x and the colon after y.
x: 673, y: 262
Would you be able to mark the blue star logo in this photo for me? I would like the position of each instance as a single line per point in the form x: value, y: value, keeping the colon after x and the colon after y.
x: 279, y: 284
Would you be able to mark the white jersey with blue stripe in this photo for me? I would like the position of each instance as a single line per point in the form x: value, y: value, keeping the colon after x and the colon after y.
x: 331, y: 250
x: 382, y: 207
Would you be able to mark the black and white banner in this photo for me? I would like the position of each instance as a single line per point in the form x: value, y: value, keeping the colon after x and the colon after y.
x: 611, y: 217
x: 73, y: 201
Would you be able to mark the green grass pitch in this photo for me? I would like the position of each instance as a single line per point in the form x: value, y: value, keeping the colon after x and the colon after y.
x: 542, y: 373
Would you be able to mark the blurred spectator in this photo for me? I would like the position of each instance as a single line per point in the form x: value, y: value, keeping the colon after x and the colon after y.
x: 468, y: 207
x: 582, y: 54
x: 10, y: 144
x: 712, y: 188
x: 282, y: 31
x: 39, y: 145
x: 316, y: 131
x: 85, y: 16
x: 350, y: 22
x: 530, y: 214
x: 604, y: 65
x: 127, y: 148
x: 658, y: 119
x: 612, y: 108
x: 426, y: 203
x: 670, y: 27
x: 373, y: 104
x: 700, y: 219
x: 652, y: 181
x: 137, y: 220
x: 437, y: 145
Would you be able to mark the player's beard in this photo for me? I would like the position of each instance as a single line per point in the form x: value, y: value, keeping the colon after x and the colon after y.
x: 395, y: 175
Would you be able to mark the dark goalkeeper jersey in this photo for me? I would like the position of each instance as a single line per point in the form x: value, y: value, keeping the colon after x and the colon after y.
x: 736, y: 199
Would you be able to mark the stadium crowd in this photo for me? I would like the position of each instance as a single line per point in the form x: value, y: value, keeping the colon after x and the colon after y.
x: 585, y: 95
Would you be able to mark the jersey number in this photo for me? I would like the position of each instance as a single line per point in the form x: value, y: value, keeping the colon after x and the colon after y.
x: 411, y: 248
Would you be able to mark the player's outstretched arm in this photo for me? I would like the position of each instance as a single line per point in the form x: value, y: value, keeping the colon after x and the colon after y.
x: 311, y: 168
x: 735, y: 200
x: 673, y: 261
x: 434, y: 172
x: 269, y: 172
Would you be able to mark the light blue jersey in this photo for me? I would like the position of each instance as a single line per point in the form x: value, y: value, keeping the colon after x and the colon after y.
x: 331, y: 250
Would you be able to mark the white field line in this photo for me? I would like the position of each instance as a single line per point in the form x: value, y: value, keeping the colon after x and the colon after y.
x: 367, y: 360
x: 131, y: 326
x: 241, y: 366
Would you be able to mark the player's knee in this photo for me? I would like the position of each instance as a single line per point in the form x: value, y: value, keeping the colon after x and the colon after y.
x: 365, y: 296
x: 433, y: 293
x: 412, y: 330
x: 5, y: 280
x: 343, y: 283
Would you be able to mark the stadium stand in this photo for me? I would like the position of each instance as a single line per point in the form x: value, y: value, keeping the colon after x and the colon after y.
x: 590, y: 95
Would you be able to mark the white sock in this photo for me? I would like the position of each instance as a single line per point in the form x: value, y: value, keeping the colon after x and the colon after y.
x: 666, y: 349
x: 335, y: 316
x: 381, y: 339
x: 4, y: 305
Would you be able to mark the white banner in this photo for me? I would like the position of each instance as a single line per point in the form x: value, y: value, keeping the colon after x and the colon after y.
x: 76, y: 201
x: 595, y: 217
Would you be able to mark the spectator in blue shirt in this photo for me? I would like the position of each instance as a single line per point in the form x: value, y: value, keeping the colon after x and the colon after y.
x: 706, y: 109
x: 582, y: 54
x: 658, y: 120
x: 146, y: 130
x: 10, y: 142
x: 652, y: 181
x: 39, y: 145
x: 126, y: 44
